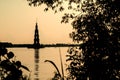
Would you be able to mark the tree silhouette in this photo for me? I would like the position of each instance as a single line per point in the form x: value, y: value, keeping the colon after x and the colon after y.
x: 96, y: 25
x: 11, y: 69
x: 99, y: 31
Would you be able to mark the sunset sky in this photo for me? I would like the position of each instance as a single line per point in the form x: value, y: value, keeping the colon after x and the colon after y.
x: 17, y: 23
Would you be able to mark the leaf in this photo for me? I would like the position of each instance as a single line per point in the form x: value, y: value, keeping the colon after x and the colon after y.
x: 24, y: 67
x: 10, y: 55
x: 3, y: 51
x: 54, y: 66
x: 18, y: 64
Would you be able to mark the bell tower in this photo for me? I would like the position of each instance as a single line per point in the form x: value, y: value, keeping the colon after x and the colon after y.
x: 36, y: 37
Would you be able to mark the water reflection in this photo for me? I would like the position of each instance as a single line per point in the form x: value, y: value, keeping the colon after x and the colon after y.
x: 34, y: 60
x: 36, y: 56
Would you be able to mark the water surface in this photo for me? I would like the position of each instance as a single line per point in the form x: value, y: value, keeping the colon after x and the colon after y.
x: 46, y: 70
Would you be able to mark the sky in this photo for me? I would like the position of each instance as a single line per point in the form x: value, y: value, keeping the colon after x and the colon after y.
x: 18, y: 19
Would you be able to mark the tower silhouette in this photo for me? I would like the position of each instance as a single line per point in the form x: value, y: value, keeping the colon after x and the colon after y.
x: 36, y: 37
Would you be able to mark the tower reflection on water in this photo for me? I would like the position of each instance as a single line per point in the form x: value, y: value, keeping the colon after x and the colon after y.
x: 36, y: 64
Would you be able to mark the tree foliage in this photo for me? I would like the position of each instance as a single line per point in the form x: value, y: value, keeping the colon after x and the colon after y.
x: 49, y: 3
x: 99, y: 31
x: 11, y: 69
x: 96, y: 24
x: 59, y: 6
